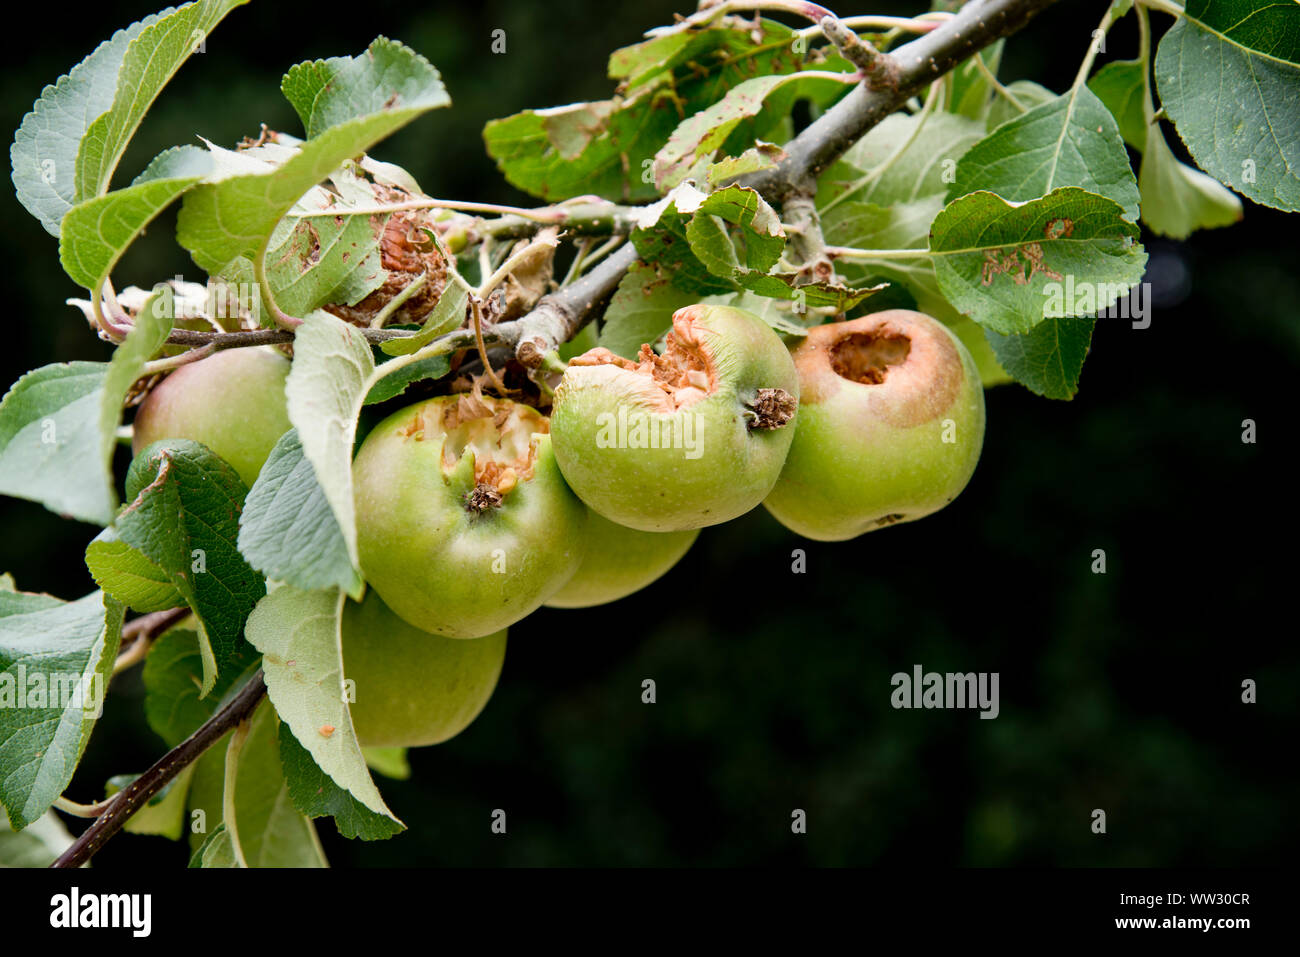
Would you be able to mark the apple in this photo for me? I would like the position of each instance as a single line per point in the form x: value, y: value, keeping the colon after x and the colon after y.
x: 620, y: 561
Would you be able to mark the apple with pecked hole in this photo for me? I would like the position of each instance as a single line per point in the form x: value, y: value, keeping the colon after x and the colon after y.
x: 693, y: 437
x: 464, y: 523
x: 233, y: 402
x: 891, y: 423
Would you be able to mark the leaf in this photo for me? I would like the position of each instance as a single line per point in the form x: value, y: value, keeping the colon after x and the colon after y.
x: 701, y: 135
x: 1119, y: 85
x: 1001, y: 263
x: 660, y: 238
x: 173, y: 682
x: 391, y: 386
x: 325, y: 260
x: 388, y: 76
x: 129, y: 576
x: 327, y: 385
x: 270, y: 830
x: 151, y: 60
x: 217, y: 850
x: 58, y: 424
x: 447, y: 314
x: 1228, y: 73
x: 163, y: 814
x: 607, y: 148
x: 44, y: 151
x: 390, y: 762
x: 55, y: 662
x: 287, y: 530
x: 1047, y: 359
x: 759, y: 157
x: 1177, y: 200
x: 925, y: 166
x: 1027, y: 93
x: 37, y: 845
x: 1070, y: 141
x: 760, y: 236
x: 316, y: 795
x: 235, y: 217
x: 302, y: 659
x: 184, y: 518
x: 640, y: 311
x: 96, y: 232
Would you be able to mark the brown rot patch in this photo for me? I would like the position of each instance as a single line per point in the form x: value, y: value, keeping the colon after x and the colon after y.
x: 771, y: 409
x: 684, y: 374
x: 481, y: 498
x: 867, y: 356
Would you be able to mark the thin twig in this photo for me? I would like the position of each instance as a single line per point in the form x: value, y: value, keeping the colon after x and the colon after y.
x: 134, y: 796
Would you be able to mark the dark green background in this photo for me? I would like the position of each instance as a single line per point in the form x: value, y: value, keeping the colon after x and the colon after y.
x: 1118, y: 691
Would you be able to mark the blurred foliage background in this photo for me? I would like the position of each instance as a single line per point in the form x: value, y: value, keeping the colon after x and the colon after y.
x: 1118, y: 691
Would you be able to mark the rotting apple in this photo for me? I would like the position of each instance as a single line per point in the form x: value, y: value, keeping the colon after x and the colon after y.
x: 693, y: 437
x: 233, y: 402
x: 620, y: 561
x: 891, y: 423
x: 464, y: 523
x: 412, y: 688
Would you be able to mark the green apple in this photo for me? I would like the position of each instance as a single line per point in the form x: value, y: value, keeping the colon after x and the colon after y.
x: 412, y: 688
x: 232, y: 402
x: 693, y: 437
x: 620, y: 561
x: 891, y: 423
x: 464, y: 523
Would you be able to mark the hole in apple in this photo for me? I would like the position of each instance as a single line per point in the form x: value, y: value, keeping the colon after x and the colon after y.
x: 866, y: 358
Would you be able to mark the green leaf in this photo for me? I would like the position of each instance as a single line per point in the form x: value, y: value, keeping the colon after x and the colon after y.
x: 1228, y: 73
x: 151, y: 60
x: 1119, y: 85
x: 37, y: 845
x: 331, y: 375
x: 606, y: 148
x: 756, y: 158
x: 699, y: 136
x: 233, y: 218
x: 44, y: 151
x: 1070, y: 141
x: 390, y: 762
x: 448, y: 314
x: 925, y: 167
x: 640, y: 311
x: 660, y: 239
x: 163, y: 814
x: 1003, y: 264
x: 217, y: 850
x: 1177, y: 200
x: 58, y: 424
x: 287, y: 530
x: 316, y: 795
x: 269, y: 829
x: 98, y: 231
x: 129, y: 576
x: 55, y: 662
x: 298, y: 635
x: 173, y: 682
x: 760, y: 238
x: 184, y: 518
x: 391, y: 386
x: 1027, y: 93
x: 1048, y: 358
x: 389, y: 75
x: 324, y: 260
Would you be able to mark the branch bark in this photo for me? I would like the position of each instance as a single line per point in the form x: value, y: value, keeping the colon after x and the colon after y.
x: 131, y: 798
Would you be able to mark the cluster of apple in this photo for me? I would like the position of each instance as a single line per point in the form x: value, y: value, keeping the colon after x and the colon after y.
x: 472, y: 512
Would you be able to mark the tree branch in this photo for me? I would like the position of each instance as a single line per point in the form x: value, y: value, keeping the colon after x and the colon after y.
x: 132, y: 797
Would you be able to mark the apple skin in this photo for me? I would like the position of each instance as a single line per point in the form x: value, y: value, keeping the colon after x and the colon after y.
x: 233, y: 402
x: 620, y: 561
x: 872, y: 454
x: 439, y: 562
x: 412, y: 688
x: 711, y: 466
